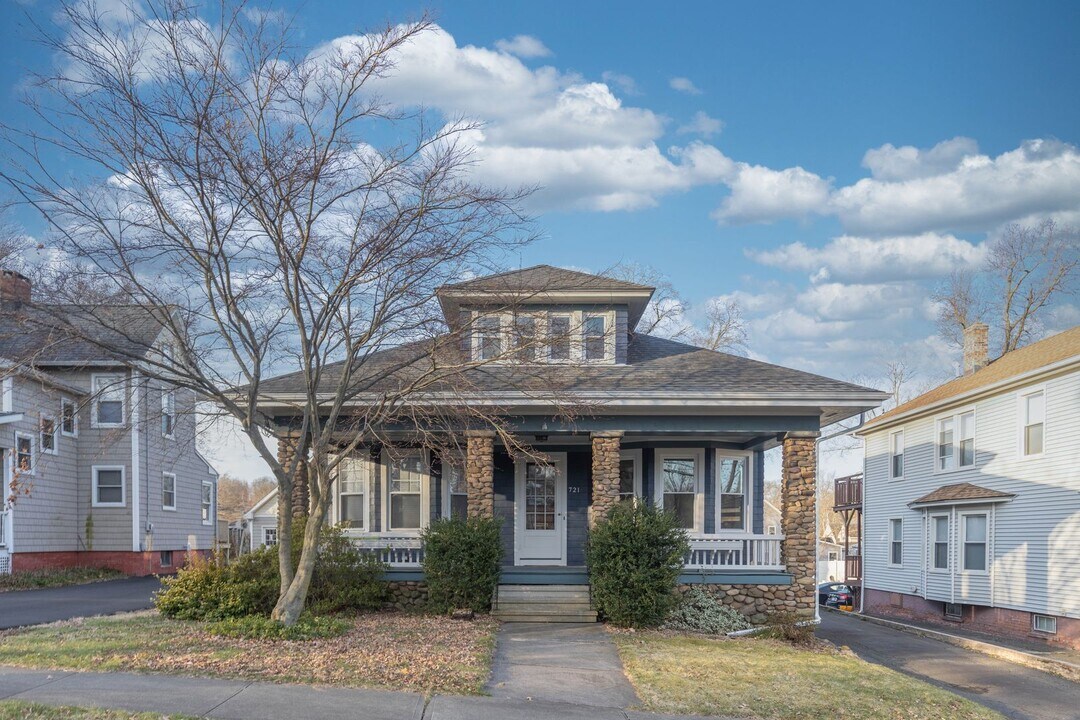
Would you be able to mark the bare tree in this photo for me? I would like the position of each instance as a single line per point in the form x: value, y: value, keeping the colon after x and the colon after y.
x: 665, y: 315
x: 1027, y: 268
x: 725, y: 328
x: 272, y: 213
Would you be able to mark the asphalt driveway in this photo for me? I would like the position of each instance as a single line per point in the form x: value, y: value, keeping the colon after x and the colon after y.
x: 1013, y: 690
x: 34, y: 607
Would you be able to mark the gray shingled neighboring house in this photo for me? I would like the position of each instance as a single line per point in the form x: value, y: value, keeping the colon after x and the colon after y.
x: 104, y: 460
x: 668, y: 423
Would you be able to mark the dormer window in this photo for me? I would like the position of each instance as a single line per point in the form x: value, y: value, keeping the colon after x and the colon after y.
x: 488, y: 338
x: 525, y: 338
x: 559, y: 337
x: 595, y: 338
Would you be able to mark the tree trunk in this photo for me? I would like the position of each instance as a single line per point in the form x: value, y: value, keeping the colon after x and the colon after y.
x: 293, y: 597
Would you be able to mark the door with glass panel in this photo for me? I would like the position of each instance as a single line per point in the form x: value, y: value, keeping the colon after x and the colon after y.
x: 541, y: 511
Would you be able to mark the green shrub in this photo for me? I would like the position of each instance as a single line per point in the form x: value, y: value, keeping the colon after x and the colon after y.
x: 702, y: 612
x: 461, y: 563
x: 204, y: 589
x: 789, y: 627
x: 345, y: 578
x: 635, y: 557
x: 258, y: 627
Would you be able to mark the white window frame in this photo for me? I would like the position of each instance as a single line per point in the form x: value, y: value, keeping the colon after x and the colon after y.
x: 1035, y: 617
x: 448, y: 462
x: 55, y: 435
x: 113, y: 382
x: 367, y: 467
x: 893, y: 436
x: 892, y: 541
x: 956, y: 417
x: 634, y: 456
x: 33, y: 453
x: 931, y: 564
x: 533, y: 346
x: 168, y: 406
x: 266, y: 539
x: 549, y: 346
x: 962, y: 516
x: 94, y: 486
x: 425, y: 493
x: 477, y: 340
x: 605, y: 336
x: 748, y: 491
x: 1022, y: 397
x: 165, y: 476
x: 69, y: 403
x: 698, y: 454
x: 202, y: 502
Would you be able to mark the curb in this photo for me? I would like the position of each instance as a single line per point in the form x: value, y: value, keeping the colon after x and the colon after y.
x: 1061, y: 668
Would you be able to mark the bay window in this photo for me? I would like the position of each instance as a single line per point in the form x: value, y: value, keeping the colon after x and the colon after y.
x: 939, y: 529
x: 974, y: 541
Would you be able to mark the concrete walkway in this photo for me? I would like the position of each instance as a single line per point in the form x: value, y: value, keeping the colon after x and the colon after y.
x: 239, y: 700
x: 34, y: 607
x: 1016, y: 692
x: 559, y: 662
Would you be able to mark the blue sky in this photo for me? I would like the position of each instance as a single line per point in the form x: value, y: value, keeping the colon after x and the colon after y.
x: 729, y: 145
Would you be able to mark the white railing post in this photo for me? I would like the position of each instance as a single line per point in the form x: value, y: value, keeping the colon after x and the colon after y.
x: 734, y: 552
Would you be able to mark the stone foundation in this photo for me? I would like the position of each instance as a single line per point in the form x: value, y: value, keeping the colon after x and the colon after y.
x: 605, y: 475
x: 755, y: 602
x: 407, y: 594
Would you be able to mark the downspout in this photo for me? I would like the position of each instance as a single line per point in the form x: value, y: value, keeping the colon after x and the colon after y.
x: 817, y: 515
x: 136, y: 528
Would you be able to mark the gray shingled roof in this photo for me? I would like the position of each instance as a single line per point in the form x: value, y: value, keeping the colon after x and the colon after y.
x: 543, y: 278
x: 654, y: 365
x: 75, y: 334
x: 961, y: 492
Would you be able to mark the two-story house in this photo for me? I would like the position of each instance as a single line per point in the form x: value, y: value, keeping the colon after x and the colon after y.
x: 971, y: 505
x: 666, y: 423
x: 99, y: 463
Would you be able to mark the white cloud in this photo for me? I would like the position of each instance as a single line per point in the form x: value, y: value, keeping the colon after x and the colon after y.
x: 684, y: 85
x: 856, y: 258
x: 761, y: 194
x: 890, y: 163
x: 1039, y: 177
x: 702, y: 124
x: 863, y: 301
x: 523, y: 46
x: 624, y: 83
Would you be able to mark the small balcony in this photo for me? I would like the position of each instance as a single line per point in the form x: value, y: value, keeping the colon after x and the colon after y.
x: 853, y: 568
x: 847, y: 494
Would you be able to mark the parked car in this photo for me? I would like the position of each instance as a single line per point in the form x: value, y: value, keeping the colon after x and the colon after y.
x: 834, y: 593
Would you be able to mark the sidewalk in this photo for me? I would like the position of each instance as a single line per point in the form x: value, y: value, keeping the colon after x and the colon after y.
x: 240, y: 700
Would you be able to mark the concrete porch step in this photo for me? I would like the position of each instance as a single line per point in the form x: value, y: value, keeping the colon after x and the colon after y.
x: 544, y: 603
x: 555, y: 616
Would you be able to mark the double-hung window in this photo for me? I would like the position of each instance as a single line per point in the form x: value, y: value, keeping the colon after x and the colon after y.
x: 678, y: 483
x: 168, y: 491
x: 896, y: 455
x: 405, y: 480
x: 1033, y: 411
x: 270, y: 537
x: 896, y: 541
x: 629, y: 475
x: 488, y: 337
x: 732, y: 480
x: 559, y: 337
x: 524, y: 339
x: 939, y: 529
x: 108, y: 405
x: 956, y: 441
x: 354, y: 483
x: 109, y: 488
x: 24, y: 453
x: 457, y: 498
x: 207, y: 509
x: 48, y: 435
x: 595, y: 337
x: 974, y: 541
x: 69, y: 418
x: 168, y: 413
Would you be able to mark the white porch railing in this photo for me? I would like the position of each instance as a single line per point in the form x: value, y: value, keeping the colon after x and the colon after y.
x: 733, y: 552
x: 397, y: 551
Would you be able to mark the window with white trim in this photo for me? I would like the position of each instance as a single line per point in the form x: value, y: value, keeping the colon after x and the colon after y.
x: 974, y: 541
x: 966, y: 446
x: 354, y: 487
x: 69, y: 418
x: 109, y: 489
x: 24, y: 453
x: 168, y: 491
x: 47, y: 435
x: 939, y: 529
x: 457, y: 498
x: 559, y: 337
x: 678, y: 484
x: 946, y: 457
x: 488, y: 337
x: 732, y: 480
x: 270, y: 536
x: 594, y: 337
x: 207, y: 509
x: 629, y: 475
x: 896, y: 455
x: 956, y: 441
x: 896, y: 541
x: 107, y: 409
x: 405, y: 480
x: 524, y: 339
x: 1044, y: 623
x: 1033, y: 408
x: 168, y: 413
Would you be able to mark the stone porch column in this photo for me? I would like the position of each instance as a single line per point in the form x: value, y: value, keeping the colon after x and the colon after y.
x: 299, y: 503
x: 605, y: 474
x: 798, y: 493
x: 480, y: 472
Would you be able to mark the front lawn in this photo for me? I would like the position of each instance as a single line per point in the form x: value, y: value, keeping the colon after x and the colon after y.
x: 37, y: 579
x: 760, y: 678
x: 18, y: 710
x: 390, y: 650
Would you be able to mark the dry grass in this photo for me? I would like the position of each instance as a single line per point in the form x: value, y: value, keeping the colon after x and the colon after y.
x: 761, y: 678
x: 390, y: 650
x: 17, y: 710
x: 37, y: 579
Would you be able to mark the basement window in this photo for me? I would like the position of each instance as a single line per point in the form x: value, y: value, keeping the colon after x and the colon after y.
x: 166, y: 558
x: 954, y: 611
x: 1044, y: 624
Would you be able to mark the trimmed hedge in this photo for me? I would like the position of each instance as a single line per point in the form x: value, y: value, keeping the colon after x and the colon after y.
x: 635, y: 557
x: 462, y: 560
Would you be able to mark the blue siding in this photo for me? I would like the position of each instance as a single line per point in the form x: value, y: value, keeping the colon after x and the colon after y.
x: 648, y: 460
x: 579, y: 478
x: 710, y: 490
x: 759, y: 492
x: 504, y: 502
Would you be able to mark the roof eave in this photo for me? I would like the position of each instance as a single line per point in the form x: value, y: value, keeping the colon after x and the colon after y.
x: 914, y: 504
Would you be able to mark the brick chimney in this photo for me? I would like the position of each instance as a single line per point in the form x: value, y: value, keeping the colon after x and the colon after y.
x: 14, y: 288
x: 976, y: 347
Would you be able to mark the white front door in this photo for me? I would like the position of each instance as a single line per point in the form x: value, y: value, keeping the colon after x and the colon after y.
x: 540, y: 511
